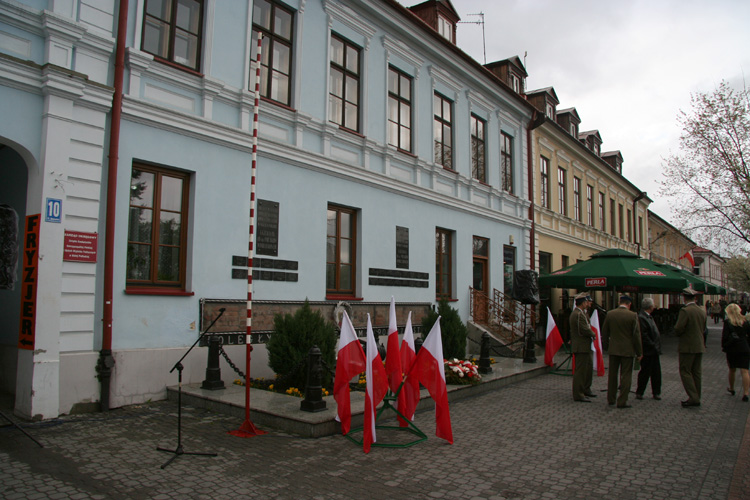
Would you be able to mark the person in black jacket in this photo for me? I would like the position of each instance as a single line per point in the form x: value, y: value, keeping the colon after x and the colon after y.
x: 734, y: 342
x: 651, y: 363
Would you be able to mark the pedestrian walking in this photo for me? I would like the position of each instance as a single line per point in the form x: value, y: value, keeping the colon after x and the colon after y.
x: 623, y: 335
x: 716, y: 312
x: 581, y: 336
x: 651, y: 342
x: 691, y: 323
x: 734, y: 342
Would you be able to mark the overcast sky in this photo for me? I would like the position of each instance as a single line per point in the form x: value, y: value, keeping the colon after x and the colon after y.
x: 628, y: 67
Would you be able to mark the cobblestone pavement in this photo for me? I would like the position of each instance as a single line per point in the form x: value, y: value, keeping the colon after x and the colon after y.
x: 525, y: 441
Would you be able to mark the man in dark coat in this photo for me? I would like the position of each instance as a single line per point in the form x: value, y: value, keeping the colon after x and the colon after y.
x: 581, y: 335
x: 624, y: 334
x: 651, y: 341
x: 691, y: 323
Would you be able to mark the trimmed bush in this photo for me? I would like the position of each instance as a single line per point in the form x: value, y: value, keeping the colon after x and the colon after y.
x: 452, y: 329
x: 290, y: 343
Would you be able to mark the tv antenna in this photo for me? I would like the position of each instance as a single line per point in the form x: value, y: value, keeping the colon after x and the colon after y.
x: 481, y: 23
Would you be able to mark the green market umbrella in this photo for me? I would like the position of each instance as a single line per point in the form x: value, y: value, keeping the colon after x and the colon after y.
x: 698, y: 284
x: 616, y: 269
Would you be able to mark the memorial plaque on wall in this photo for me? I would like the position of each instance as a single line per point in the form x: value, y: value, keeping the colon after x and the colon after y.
x: 402, y: 247
x: 267, y: 228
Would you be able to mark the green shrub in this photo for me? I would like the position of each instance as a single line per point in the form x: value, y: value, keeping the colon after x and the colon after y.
x: 452, y: 329
x: 290, y: 343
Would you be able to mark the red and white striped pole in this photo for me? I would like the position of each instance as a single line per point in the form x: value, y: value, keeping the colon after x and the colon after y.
x: 247, y: 429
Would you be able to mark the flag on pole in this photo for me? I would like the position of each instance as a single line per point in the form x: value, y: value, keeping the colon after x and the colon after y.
x: 377, y: 386
x: 350, y: 361
x: 429, y: 368
x: 596, y: 345
x: 689, y: 256
x: 392, y: 355
x: 554, y: 340
x: 408, y: 398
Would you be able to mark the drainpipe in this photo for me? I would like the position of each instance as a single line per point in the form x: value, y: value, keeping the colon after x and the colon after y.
x: 537, y: 119
x: 106, y: 361
x: 638, y: 198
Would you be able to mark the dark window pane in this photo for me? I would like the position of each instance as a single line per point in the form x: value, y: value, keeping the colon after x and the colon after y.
x: 139, y: 262
x: 169, y: 264
x: 170, y: 230
x: 140, y: 225
x: 142, y: 189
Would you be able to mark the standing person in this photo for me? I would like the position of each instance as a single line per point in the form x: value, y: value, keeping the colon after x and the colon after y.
x: 734, y: 342
x: 581, y: 335
x: 651, y: 342
x: 716, y: 312
x: 623, y: 334
x: 691, y: 322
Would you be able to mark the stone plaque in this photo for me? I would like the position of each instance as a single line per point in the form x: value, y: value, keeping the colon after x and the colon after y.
x: 267, y: 228
x: 402, y: 247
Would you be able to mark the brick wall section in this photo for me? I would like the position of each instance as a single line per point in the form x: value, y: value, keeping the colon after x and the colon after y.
x: 234, y: 317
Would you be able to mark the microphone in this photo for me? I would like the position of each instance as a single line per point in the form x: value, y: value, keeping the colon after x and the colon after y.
x: 222, y: 309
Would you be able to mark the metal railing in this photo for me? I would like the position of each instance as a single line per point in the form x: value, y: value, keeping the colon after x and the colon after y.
x: 505, y: 317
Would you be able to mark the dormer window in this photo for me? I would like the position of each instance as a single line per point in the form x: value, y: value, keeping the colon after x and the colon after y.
x: 515, y: 84
x: 445, y: 28
x: 573, y: 130
x: 550, y: 111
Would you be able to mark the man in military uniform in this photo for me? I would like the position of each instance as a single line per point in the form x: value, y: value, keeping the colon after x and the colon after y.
x: 651, y: 340
x: 691, y: 323
x: 623, y: 334
x: 581, y: 335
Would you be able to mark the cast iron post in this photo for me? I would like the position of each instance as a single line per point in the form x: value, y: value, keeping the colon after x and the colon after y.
x: 484, y: 355
x: 313, y: 390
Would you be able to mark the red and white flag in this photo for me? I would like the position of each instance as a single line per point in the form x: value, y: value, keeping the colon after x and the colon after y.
x: 554, y: 340
x: 689, y: 256
x: 392, y: 354
x: 596, y: 345
x: 350, y: 361
x: 429, y: 367
x: 408, y: 398
x: 377, y: 386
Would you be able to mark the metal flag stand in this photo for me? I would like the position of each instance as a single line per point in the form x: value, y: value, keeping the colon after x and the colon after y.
x: 390, y: 397
x: 247, y: 429
x: 565, y: 368
x: 14, y: 424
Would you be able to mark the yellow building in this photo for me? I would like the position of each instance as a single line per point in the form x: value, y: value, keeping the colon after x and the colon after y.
x: 667, y: 245
x: 582, y: 202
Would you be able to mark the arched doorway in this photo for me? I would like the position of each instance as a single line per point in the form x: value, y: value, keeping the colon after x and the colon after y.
x: 13, y: 193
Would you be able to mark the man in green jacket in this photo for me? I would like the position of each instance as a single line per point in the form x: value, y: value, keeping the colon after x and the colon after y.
x: 622, y: 333
x: 691, y: 323
x: 581, y: 335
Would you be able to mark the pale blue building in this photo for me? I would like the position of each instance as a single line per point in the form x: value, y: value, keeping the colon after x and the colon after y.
x: 389, y: 164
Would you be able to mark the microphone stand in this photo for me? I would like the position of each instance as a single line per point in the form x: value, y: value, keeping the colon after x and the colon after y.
x: 178, y: 366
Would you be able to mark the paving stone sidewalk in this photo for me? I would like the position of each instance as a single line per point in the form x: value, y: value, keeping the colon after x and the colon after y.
x: 525, y: 441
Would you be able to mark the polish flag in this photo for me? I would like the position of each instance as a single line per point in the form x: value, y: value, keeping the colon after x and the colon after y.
x: 408, y: 398
x: 596, y: 345
x: 554, y: 340
x: 350, y: 361
x: 392, y: 355
x: 689, y: 256
x: 377, y: 386
x: 429, y: 367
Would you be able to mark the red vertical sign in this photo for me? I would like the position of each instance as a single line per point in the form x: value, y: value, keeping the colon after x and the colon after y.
x: 29, y: 282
